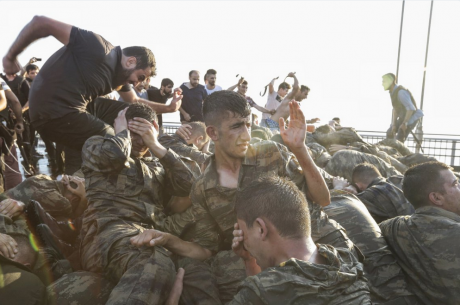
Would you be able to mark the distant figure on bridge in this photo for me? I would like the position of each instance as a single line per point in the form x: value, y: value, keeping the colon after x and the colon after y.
x: 405, y: 114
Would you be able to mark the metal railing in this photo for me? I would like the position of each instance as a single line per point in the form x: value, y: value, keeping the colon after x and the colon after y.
x: 445, y: 148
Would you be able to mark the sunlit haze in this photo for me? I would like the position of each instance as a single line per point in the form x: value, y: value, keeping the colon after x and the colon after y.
x: 340, y: 49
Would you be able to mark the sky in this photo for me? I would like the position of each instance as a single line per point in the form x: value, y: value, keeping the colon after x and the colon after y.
x: 340, y: 49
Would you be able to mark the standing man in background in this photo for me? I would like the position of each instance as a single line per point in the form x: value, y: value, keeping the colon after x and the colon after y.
x: 405, y: 113
x: 161, y: 96
x: 210, y: 81
x: 193, y: 97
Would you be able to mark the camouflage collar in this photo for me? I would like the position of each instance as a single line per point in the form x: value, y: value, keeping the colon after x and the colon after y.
x: 377, y: 181
x: 212, y: 178
x: 432, y: 210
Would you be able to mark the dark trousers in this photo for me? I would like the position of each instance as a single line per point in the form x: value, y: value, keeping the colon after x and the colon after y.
x: 401, y: 135
x: 73, y: 129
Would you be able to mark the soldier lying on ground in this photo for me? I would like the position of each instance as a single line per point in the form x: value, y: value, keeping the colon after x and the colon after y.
x: 426, y: 243
x: 382, y: 198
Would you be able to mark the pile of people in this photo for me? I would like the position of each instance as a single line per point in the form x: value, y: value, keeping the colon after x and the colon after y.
x: 223, y: 211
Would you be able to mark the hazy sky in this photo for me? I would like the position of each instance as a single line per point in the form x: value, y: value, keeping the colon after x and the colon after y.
x: 340, y: 49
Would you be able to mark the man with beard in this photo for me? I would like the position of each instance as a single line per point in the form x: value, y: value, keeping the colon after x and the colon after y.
x: 210, y: 81
x: 194, y: 95
x: 161, y: 96
x: 86, y: 67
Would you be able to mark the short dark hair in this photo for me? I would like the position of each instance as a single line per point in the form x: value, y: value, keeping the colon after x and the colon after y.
x: 421, y: 180
x: 166, y: 82
x: 284, y: 85
x: 193, y: 71
x: 278, y: 200
x: 245, y: 82
x: 210, y: 72
x: 32, y: 67
x: 144, y: 58
x: 304, y: 88
x: 336, y: 119
x: 217, y: 105
x: 392, y: 76
x: 199, y: 129
x: 365, y: 172
x: 138, y: 110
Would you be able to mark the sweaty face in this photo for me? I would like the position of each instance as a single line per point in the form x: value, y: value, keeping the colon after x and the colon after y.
x: 242, y: 89
x: 32, y: 74
x: 194, y: 79
x: 212, y: 79
x: 387, y: 82
x: 234, y: 136
x: 451, y: 198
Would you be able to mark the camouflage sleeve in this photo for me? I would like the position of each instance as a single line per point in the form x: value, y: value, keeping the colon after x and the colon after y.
x: 106, y: 155
x: 192, y: 153
x: 248, y: 292
x: 18, y: 227
x: 290, y: 167
x: 206, y: 232
x: 178, y: 175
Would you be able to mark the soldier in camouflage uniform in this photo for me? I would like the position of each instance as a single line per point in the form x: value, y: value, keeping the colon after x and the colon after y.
x: 386, y: 280
x: 426, y: 243
x: 125, y: 196
x: 213, y: 196
x: 343, y: 162
x: 282, y: 261
x: 195, y: 146
x: 383, y: 199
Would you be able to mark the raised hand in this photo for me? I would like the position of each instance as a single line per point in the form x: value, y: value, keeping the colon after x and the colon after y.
x: 145, y: 129
x: 120, y: 122
x: 184, y: 131
x: 237, y: 244
x: 294, y: 135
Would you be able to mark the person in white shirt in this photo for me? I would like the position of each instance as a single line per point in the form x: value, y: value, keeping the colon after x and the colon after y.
x: 275, y: 98
x: 210, y: 81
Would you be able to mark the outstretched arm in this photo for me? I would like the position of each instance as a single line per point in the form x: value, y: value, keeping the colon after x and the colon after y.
x: 131, y: 97
x: 237, y: 84
x: 38, y: 27
x: 294, y: 138
x: 295, y: 87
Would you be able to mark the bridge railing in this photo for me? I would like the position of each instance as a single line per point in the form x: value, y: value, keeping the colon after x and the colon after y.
x: 445, y: 148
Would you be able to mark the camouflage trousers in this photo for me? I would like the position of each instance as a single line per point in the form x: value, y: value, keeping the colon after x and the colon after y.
x: 214, y: 281
x: 386, y: 279
x: 79, y: 288
x: 142, y: 275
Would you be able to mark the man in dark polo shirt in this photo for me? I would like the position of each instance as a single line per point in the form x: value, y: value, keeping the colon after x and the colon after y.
x: 194, y: 95
x: 86, y: 67
x: 161, y: 96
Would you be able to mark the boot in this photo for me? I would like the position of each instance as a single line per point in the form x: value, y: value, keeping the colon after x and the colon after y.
x: 36, y: 215
x: 59, y: 248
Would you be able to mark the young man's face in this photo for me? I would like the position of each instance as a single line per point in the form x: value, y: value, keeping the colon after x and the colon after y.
x: 212, y: 79
x: 451, y: 196
x: 234, y: 136
x: 138, y: 147
x: 194, y: 79
x: 387, y: 82
x: 32, y: 74
x: 167, y: 90
x: 252, y: 243
x: 137, y: 76
x: 242, y: 89
x: 283, y: 92
x: 301, y: 95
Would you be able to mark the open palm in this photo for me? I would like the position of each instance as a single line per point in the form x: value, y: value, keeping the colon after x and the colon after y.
x: 294, y: 135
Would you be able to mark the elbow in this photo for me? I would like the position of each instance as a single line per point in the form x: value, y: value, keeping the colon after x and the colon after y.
x: 326, y: 201
x: 40, y: 24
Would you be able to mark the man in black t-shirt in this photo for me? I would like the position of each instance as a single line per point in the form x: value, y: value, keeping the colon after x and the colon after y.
x: 88, y: 66
x: 161, y: 96
x: 194, y: 95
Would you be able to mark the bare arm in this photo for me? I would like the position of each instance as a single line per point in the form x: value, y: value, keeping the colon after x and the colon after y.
x: 295, y: 87
x: 237, y: 84
x: 2, y: 100
x: 172, y: 243
x: 131, y: 97
x: 271, y: 86
x: 294, y: 138
x: 38, y: 27
x: 262, y: 109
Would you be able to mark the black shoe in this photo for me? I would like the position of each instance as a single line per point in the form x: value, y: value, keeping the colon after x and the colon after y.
x: 48, y: 243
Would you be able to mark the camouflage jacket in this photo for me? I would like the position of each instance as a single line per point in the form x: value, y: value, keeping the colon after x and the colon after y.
x: 343, y: 162
x: 10, y: 227
x: 213, y: 205
x: 49, y: 193
x: 386, y: 279
x: 427, y: 249
x: 124, y: 189
x: 319, y: 154
x: 340, y: 281
x: 181, y: 148
x: 384, y: 200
